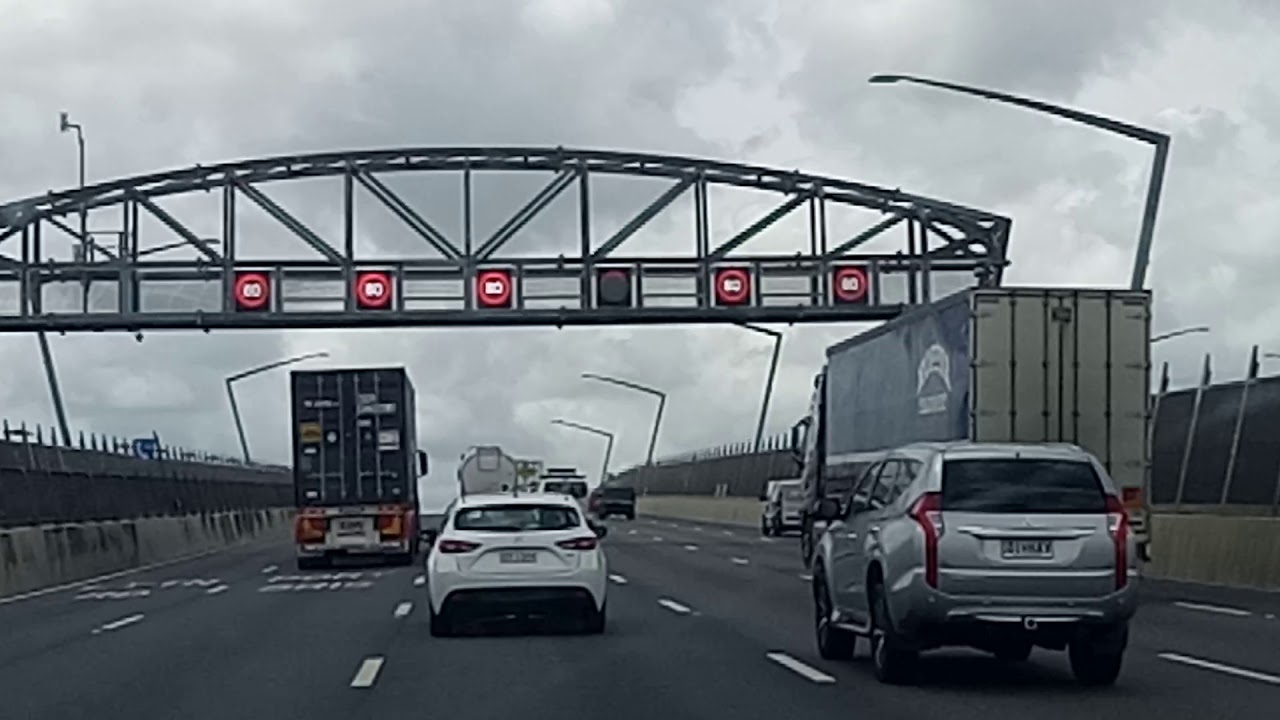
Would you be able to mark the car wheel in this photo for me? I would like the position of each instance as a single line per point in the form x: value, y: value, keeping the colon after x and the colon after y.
x: 834, y: 643
x: 438, y: 622
x: 596, y: 620
x: 894, y: 661
x: 1096, y: 658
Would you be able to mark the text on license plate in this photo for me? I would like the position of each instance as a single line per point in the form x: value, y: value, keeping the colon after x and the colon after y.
x: 1026, y: 548
x: 351, y: 527
x: 517, y: 557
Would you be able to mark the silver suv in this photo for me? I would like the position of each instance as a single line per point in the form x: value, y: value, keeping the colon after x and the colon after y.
x: 999, y: 547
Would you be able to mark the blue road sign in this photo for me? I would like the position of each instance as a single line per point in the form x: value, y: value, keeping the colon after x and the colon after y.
x: 146, y: 448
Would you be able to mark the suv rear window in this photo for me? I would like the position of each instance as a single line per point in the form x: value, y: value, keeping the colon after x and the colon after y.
x: 1021, y: 485
x: 574, y: 488
x: 619, y: 493
x: 516, y: 518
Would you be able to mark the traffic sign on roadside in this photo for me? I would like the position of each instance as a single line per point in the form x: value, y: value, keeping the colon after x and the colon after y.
x: 373, y: 290
x: 146, y: 448
x: 850, y: 284
x: 252, y: 291
x: 732, y: 286
x: 494, y: 289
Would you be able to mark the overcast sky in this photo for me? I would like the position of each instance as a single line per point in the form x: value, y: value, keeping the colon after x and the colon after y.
x: 160, y: 85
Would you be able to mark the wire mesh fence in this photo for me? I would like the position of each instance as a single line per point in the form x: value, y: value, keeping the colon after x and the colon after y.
x: 100, y: 477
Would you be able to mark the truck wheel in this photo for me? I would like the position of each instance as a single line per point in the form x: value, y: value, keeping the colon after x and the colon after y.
x: 895, y: 662
x: 833, y: 643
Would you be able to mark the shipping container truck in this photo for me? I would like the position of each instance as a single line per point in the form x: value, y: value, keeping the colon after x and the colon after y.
x: 356, y: 465
x: 487, y: 469
x: 987, y: 365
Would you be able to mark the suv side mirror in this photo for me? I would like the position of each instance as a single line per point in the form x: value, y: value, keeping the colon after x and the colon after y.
x: 422, y: 463
x: 829, y: 509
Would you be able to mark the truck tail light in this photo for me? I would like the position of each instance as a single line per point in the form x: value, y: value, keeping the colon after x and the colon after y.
x: 1118, y: 528
x: 309, y: 528
x: 927, y: 511
x: 390, y: 525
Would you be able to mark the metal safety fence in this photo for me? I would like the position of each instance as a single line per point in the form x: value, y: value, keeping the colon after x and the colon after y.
x: 101, y: 478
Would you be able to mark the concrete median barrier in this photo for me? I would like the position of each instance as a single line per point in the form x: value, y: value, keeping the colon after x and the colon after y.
x: 32, y: 558
x: 1215, y: 549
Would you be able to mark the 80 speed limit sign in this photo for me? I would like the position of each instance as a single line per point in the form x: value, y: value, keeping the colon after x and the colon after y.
x: 373, y: 290
x: 850, y: 284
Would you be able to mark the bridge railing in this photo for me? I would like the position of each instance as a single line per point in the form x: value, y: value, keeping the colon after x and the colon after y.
x: 99, y: 478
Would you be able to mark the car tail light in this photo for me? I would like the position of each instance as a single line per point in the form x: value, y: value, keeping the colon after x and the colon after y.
x: 309, y: 528
x: 455, y: 546
x: 390, y: 525
x: 1118, y: 528
x: 582, y: 543
x: 927, y: 511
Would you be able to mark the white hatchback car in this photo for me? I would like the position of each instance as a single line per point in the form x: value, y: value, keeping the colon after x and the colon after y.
x: 507, y: 556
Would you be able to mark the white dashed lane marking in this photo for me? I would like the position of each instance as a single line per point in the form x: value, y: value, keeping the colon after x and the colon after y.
x: 799, y: 668
x: 691, y: 548
x: 806, y: 577
x: 270, y: 569
x: 1219, y: 609
x: 618, y: 579
x: 1222, y: 668
x: 122, y: 622
x: 674, y: 606
x: 739, y: 561
x: 367, y: 675
x: 403, y: 609
x: 216, y: 589
x: 419, y: 581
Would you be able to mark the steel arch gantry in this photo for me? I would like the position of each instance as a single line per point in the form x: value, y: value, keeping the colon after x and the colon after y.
x: 721, y: 284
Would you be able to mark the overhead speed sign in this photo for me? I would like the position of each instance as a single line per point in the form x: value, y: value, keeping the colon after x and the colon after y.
x: 252, y: 290
x: 373, y: 290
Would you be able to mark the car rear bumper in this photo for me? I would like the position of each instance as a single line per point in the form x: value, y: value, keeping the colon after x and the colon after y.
x: 495, y: 603
x: 617, y: 509
x: 919, y: 609
x: 387, y: 547
x: 443, y: 584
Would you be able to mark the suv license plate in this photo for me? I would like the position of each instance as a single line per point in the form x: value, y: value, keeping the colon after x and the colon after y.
x: 1020, y: 549
x: 351, y: 527
x: 516, y: 558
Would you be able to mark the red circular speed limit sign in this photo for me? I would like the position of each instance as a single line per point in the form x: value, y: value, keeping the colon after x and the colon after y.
x: 373, y: 290
x: 252, y: 290
x: 850, y: 284
x: 493, y: 289
x: 732, y: 286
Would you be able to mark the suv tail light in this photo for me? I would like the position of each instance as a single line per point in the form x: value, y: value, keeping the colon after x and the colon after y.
x: 1118, y: 528
x: 582, y: 543
x: 455, y: 546
x: 309, y: 528
x: 927, y: 511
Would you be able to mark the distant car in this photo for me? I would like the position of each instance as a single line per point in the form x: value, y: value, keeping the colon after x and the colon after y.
x: 576, y: 489
x: 516, y: 557
x: 783, y: 503
x: 1000, y: 547
x: 616, y: 501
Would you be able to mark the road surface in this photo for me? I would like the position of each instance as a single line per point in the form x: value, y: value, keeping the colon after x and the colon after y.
x: 706, y: 622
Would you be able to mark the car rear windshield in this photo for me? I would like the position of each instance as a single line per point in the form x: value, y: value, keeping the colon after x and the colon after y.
x: 516, y: 518
x: 575, y: 489
x: 1021, y: 485
x: 622, y: 493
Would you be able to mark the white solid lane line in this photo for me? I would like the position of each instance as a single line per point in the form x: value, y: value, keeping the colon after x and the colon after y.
x: 270, y: 569
x: 1219, y: 609
x: 419, y: 581
x: 216, y: 589
x: 403, y: 609
x: 691, y: 548
x: 1219, y: 667
x: 739, y: 561
x: 368, y: 672
x: 122, y: 622
x: 799, y: 668
x: 674, y: 606
x: 618, y: 579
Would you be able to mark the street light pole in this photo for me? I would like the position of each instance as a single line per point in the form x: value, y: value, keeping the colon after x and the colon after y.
x: 231, y: 395
x: 768, y: 383
x: 608, y: 448
x: 1178, y: 333
x: 662, y: 404
x: 1159, y: 140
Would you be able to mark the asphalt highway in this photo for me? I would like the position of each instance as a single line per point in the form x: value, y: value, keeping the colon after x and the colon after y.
x: 705, y: 621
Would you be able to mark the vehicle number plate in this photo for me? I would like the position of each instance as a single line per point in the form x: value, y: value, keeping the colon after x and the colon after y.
x: 351, y: 527
x: 1026, y: 548
x: 514, y: 557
